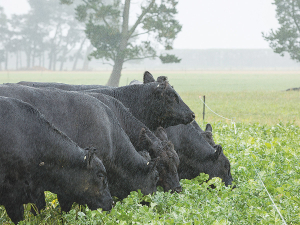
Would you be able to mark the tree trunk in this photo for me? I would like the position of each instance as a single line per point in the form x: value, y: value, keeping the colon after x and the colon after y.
x: 50, y: 59
x: 86, y: 61
x: 40, y: 59
x: 78, y: 54
x: 115, y: 76
x: 62, y: 65
x: 21, y: 65
x: 43, y: 58
x: 17, y: 59
x: 33, y: 56
x: 6, y: 60
x: 28, y: 57
x: 54, y: 60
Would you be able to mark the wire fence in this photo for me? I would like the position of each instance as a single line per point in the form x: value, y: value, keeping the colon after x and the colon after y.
x: 262, y: 183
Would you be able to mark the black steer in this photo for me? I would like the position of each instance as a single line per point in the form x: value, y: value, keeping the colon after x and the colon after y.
x: 36, y: 157
x: 157, y: 145
x: 87, y: 121
x: 197, y: 150
x: 197, y: 155
x: 154, y: 103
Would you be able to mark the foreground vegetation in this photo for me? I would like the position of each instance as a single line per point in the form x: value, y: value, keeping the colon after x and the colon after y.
x: 266, y: 145
x: 271, y: 152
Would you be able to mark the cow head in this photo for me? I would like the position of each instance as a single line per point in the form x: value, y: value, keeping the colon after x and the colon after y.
x: 167, y: 159
x: 147, y: 168
x: 164, y: 106
x: 92, y: 187
x: 220, y: 161
x: 217, y: 165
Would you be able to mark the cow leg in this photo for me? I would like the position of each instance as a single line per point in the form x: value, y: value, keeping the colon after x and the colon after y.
x: 40, y: 203
x: 15, y: 212
x: 65, y: 203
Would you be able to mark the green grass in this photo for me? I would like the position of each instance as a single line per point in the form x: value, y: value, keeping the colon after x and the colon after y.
x: 246, y: 96
x: 265, y: 139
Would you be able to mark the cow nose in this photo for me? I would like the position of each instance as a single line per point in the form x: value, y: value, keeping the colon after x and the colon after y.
x: 193, y: 116
x: 178, y: 189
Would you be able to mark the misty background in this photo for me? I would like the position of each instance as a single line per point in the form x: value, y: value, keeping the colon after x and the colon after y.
x: 216, y: 35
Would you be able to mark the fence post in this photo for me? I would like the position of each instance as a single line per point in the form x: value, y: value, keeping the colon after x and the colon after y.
x: 203, y: 108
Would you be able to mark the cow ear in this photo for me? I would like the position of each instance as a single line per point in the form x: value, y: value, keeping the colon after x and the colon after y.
x: 161, y: 134
x: 208, y: 128
x: 91, y: 151
x: 161, y: 79
x: 144, y: 140
x: 217, y: 153
x: 145, y: 155
x: 148, y: 78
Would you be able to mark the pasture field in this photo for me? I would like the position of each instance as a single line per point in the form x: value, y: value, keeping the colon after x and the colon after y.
x: 246, y: 96
x: 266, y: 145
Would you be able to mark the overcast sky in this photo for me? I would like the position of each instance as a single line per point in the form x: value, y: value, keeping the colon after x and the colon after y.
x: 210, y: 23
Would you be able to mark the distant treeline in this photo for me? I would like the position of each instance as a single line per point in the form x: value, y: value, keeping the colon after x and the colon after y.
x: 198, y: 59
x: 223, y: 59
x: 46, y: 37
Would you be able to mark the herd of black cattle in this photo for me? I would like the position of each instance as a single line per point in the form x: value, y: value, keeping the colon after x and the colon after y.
x: 87, y: 143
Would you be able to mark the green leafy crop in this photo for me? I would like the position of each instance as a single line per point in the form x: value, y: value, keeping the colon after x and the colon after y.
x: 269, y: 152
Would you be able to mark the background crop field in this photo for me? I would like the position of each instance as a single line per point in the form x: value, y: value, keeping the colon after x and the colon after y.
x: 266, y: 146
x: 246, y: 96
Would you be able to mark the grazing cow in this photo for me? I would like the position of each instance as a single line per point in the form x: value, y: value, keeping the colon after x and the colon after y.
x: 158, y: 145
x: 154, y: 103
x: 36, y: 157
x: 87, y: 121
x: 197, y: 155
x: 197, y: 150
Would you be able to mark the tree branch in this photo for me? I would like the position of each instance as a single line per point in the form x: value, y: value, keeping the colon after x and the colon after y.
x: 140, y: 34
x: 95, y: 8
x: 140, y: 18
x: 146, y: 57
x: 293, y: 16
x: 107, y: 63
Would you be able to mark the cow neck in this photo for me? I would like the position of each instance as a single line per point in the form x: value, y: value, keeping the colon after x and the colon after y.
x: 202, y: 149
x: 133, y: 98
x: 67, y: 153
x: 132, y: 127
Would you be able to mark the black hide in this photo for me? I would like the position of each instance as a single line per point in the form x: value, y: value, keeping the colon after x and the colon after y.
x: 36, y: 157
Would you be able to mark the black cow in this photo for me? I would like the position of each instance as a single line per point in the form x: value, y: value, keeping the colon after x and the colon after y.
x: 158, y: 145
x: 197, y: 155
x: 36, y: 157
x: 197, y: 150
x: 154, y: 103
x: 87, y: 121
